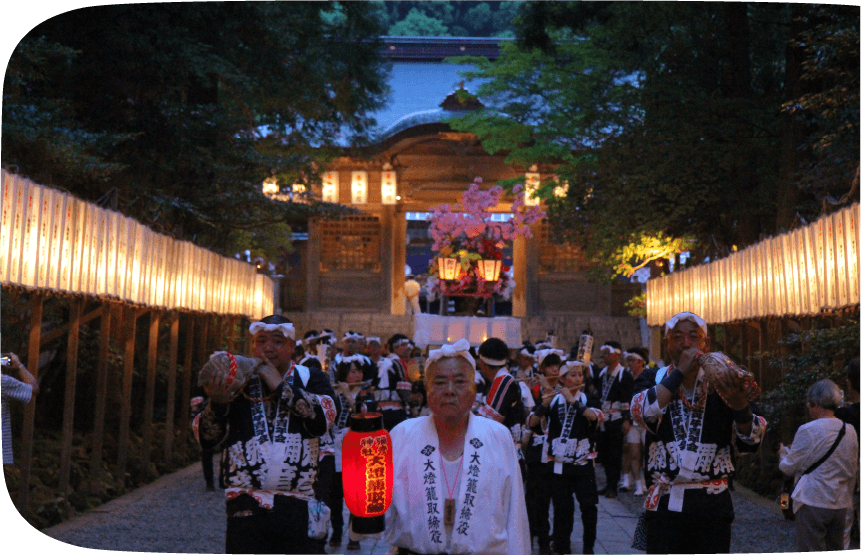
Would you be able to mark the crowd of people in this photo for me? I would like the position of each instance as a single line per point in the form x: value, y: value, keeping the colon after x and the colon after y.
x: 485, y: 440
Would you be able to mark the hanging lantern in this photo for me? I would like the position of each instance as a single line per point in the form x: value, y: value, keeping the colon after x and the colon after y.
x: 489, y: 269
x: 367, y: 472
x: 389, y: 186
x: 359, y: 188
x: 448, y: 268
x: 331, y: 185
x: 533, y: 181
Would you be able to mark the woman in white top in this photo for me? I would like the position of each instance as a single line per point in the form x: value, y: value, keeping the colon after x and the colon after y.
x: 821, y: 497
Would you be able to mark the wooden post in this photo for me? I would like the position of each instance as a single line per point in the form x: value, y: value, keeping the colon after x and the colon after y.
x: 171, y: 388
x: 230, y: 322
x: 188, y: 366
x: 129, y: 333
x: 69, y: 400
x: 149, y: 399
x: 25, y: 459
x: 101, y: 396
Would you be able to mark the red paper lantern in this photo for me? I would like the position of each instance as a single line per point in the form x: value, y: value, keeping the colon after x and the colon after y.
x: 367, y: 472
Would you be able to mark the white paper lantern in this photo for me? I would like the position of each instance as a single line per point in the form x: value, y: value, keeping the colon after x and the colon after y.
x: 359, y: 187
x: 389, y: 187
x: 331, y: 187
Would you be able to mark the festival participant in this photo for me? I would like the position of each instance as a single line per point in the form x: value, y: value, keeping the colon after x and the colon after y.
x: 502, y: 399
x: 391, y: 386
x: 353, y: 399
x: 823, y: 458
x: 692, y: 430
x: 571, y: 453
x: 351, y: 344
x: 309, y: 357
x: 457, y: 485
x: 525, y: 363
x: 614, y: 386
x: 270, y: 426
x: 635, y: 435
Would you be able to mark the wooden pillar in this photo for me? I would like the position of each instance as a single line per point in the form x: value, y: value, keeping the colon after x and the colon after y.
x: 188, y: 371
x: 101, y: 397
x: 129, y: 334
x: 519, y: 260
x: 230, y: 324
x: 312, y: 275
x: 69, y: 399
x: 394, y: 246
x: 171, y: 387
x: 149, y: 399
x: 25, y: 458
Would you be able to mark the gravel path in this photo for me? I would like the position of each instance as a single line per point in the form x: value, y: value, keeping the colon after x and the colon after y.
x: 176, y: 514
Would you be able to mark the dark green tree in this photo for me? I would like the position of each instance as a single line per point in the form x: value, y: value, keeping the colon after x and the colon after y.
x: 175, y: 113
x: 666, y: 118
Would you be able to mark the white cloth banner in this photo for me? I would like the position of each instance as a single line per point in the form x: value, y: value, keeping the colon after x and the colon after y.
x: 435, y: 330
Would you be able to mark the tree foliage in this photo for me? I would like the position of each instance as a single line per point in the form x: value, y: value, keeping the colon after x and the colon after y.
x: 175, y: 113
x: 443, y: 19
x: 666, y: 119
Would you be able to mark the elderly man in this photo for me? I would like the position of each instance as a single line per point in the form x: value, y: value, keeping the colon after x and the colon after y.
x: 692, y: 428
x: 458, y: 488
x: 271, y: 428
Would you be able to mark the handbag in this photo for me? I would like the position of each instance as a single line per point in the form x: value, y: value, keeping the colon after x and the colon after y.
x: 318, y: 519
x: 785, y: 499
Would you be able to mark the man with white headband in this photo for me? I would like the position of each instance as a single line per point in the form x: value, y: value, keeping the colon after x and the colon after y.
x: 391, y: 386
x: 614, y: 387
x: 270, y: 428
x: 501, y: 398
x: 351, y: 345
x: 458, y: 489
x: 692, y: 433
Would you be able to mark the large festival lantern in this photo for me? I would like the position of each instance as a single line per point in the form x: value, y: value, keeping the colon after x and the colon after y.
x: 367, y: 472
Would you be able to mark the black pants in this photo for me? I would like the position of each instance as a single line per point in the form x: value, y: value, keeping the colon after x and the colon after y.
x: 679, y: 533
x: 206, y: 463
x: 610, y: 448
x: 538, y: 502
x: 563, y: 488
x: 281, y: 530
x: 336, y: 505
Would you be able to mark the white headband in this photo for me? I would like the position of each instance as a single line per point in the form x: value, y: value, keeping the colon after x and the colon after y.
x: 352, y: 336
x: 632, y: 354
x: 611, y: 348
x: 569, y: 365
x: 401, y: 341
x: 540, y: 355
x: 358, y: 359
x: 285, y: 328
x: 374, y: 339
x: 678, y: 317
x: 459, y: 348
x: 525, y: 352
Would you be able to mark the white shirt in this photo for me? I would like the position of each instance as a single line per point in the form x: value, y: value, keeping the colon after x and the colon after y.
x: 831, y: 484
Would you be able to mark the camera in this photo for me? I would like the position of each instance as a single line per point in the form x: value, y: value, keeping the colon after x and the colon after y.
x: 5, y: 360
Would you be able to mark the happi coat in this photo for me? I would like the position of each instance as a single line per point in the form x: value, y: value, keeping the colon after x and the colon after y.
x: 490, y: 508
x: 689, y: 452
x: 265, y: 455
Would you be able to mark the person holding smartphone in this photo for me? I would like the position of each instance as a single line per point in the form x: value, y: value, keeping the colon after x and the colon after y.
x: 20, y: 390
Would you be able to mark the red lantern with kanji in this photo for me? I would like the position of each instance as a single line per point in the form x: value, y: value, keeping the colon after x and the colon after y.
x: 367, y: 472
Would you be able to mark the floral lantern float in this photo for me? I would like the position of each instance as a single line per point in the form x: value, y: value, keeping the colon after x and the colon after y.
x: 367, y: 472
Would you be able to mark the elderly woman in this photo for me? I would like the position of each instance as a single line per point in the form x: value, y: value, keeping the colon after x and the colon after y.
x: 825, y: 476
x: 458, y: 488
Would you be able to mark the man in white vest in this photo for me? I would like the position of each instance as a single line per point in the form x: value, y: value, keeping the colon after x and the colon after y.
x: 458, y: 487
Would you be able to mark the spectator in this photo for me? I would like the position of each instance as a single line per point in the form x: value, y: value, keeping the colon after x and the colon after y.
x: 20, y: 390
x: 825, y: 475
x: 849, y: 414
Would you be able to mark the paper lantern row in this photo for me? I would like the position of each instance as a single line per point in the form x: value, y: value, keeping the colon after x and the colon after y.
x: 52, y: 240
x: 797, y: 273
x: 436, y: 330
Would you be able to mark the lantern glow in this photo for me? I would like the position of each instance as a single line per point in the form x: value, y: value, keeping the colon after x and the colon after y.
x: 331, y: 184
x: 359, y: 188
x: 367, y: 472
x: 389, y: 187
x: 448, y: 268
x: 489, y: 269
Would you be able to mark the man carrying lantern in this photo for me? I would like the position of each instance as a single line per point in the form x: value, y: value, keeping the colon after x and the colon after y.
x: 270, y: 413
x: 694, y: 418
x: 458, y: 488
